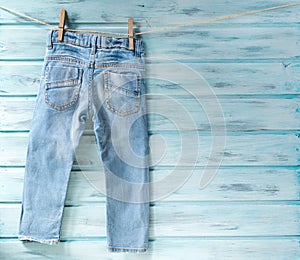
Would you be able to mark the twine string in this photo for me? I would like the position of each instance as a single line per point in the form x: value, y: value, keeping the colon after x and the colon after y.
x: 26, y: 16
x: 211, y: 20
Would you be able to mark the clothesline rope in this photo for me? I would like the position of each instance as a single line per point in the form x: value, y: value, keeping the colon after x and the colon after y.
x: 26, y: 16
x: 224, y: 17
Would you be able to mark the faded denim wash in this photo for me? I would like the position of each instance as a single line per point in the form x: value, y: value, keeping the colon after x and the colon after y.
x: 96, y: 77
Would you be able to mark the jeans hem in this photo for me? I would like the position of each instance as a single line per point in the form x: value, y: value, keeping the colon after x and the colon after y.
x: 38, y: 240
x: 126, y: 250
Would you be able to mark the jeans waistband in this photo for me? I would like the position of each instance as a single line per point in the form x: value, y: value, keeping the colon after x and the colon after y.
x: 92, y: 40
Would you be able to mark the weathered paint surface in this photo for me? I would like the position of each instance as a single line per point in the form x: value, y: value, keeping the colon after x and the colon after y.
x: 251, y: 64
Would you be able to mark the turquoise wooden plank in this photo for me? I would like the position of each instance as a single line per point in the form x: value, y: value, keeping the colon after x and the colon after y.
x: 233, y: 249
x: 193, y: 113
x: 250, y: 43
x: 229, y: 184
x: 151, y: 13
x: 181, y: 219
x: 19, y: 78
x: 247, y: 149
x: 161, y: 248
x: 22, y: 78
x: 223, y: 78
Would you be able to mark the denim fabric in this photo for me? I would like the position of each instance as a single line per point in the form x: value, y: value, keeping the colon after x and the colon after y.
x: 96, y: 77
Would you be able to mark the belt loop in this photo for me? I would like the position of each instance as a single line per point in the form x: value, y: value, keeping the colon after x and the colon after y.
x: 100, y: 41
x: 49, y: 40
x: 94, y: 40
x: 103, y: 41
x: 137, y: 47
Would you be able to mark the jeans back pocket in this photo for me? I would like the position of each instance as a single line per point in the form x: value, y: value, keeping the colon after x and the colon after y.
x: 122, y: 91
x: 62, y: 86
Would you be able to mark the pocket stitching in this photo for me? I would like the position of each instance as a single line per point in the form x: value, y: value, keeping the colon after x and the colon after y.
x: 76, y: 83
x: 61, y: 84
x: 137, y: 101
x: 48, y: 81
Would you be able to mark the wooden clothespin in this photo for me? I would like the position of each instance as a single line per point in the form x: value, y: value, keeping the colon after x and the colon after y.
x: 61, y: 25
x: 130, y: 34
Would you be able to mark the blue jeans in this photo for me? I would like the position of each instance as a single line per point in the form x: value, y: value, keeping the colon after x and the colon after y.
x: 89, y: 77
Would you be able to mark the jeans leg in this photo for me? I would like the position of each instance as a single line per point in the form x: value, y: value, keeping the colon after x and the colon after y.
x: 54, y: 135
x: 123, y: 144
